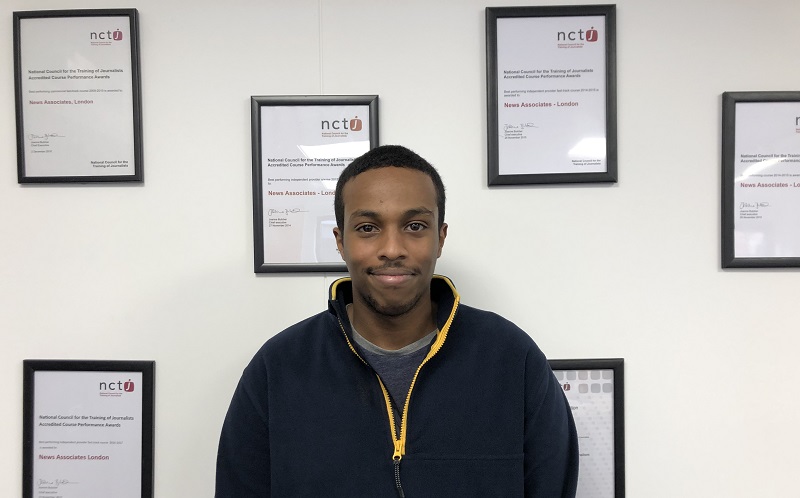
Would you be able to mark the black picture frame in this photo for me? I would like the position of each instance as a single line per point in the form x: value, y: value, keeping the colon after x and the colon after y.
x: 107, y: 170
x: 310, y: 102
x: 32, y: 366
x: 495, y: 176
x: 615, y: 365
x: 733, y: 209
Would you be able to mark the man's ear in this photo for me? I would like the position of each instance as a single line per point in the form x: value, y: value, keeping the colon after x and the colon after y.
x: 442, y: 236
x: 337, y: 234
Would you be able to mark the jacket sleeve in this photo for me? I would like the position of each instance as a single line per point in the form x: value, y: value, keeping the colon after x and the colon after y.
x: 551, y: 441
x: 243, y: 458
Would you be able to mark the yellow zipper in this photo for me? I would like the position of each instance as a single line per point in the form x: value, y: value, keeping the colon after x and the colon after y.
x: 437, y: 345
x: 400, y: 439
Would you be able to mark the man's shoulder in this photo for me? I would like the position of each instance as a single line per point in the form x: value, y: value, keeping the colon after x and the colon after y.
x: 488, y: 339
x: 303, y: 334
x: 482, y: 325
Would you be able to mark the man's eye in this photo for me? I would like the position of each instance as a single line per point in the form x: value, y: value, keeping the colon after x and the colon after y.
x: 416, y: 227
x: 366, y: 229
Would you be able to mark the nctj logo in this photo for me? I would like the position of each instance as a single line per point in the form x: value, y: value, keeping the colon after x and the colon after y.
x: 116, y: 388
x: 105, y: 37
x: 342, y: 124
x: 340, y: 128
x: 590, y: 35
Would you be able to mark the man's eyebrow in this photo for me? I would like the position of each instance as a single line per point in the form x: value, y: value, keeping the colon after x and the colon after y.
x: 364, y: 213
x: 418, y: 211
x: 367, y: 213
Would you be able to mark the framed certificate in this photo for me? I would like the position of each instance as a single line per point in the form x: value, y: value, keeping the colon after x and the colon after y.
x: 595, y: 392
x: 760, y: 179
x: 300, y: 146
x: 78, y: 96
x: 551, y: 84
x: 88, y: 429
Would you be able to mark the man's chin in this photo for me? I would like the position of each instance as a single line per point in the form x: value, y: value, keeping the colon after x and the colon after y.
x: 391, y: 310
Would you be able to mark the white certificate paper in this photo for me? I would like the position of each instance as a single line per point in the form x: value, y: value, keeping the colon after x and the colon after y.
x: 76, y: 96
x: 767, y: 180
x: 87, y: 434
x: 303, y: 151
x: 590, y: 394
x: 551, y: 95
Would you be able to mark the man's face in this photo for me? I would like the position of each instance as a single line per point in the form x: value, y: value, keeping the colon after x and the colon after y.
x: 390, y: 239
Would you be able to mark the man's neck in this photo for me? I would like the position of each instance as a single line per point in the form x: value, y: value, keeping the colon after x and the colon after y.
x: 393, y: 332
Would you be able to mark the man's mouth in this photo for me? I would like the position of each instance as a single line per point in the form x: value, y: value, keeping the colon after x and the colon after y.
x: 392, y: 276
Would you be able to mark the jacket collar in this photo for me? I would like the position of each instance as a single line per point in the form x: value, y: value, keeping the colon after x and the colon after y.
x: 443, y: 293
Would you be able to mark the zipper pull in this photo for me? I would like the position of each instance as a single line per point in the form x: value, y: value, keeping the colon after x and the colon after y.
x: 397, y: 456
x: 398, y: 450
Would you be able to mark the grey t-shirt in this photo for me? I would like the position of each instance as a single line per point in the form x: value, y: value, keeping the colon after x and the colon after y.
x: 396, y: 368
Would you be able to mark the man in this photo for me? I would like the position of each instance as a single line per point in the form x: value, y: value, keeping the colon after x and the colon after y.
x: 397, y: 389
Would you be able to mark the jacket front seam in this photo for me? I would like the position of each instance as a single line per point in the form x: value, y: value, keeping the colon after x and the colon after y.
x: 399, y: 438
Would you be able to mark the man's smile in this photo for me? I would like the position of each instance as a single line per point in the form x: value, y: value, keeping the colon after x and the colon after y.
x: 392, y: 276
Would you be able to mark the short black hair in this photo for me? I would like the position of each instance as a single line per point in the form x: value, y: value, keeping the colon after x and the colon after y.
x: 382, y: 157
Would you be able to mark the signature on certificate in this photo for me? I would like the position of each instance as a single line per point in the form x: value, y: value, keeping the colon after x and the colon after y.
x: 285, y: 211
x: 45, y: 136
x: 508, y: 127
x: 753, y: 205
x: 53, y: 483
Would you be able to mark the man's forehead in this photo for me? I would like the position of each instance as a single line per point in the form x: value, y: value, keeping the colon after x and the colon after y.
x: 389, y: 178
x: 402, y: 188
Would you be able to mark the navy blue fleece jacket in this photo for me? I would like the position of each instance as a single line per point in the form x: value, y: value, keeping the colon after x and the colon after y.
x: 485, y: 416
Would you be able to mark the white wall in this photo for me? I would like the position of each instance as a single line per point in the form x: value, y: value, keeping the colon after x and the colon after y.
x: 163, y: 270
